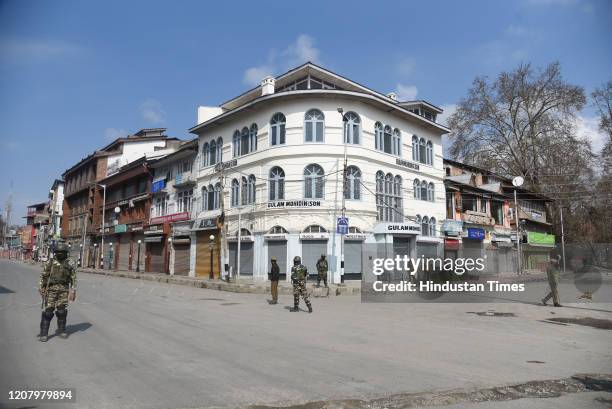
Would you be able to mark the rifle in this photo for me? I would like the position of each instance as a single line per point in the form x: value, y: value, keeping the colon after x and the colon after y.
x: 45, y: 295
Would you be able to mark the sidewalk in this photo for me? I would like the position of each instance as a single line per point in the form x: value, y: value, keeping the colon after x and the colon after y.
x: 244, y: 285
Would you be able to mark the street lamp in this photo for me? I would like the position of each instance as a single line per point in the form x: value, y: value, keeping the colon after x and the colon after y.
x: 518, y: 182
x: 95, y: 254
x: 138, y: 258
x: 212, y: 250
x: 80, y: 254
x: 110, y: 256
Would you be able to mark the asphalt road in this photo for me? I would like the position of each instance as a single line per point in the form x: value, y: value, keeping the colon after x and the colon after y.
x: 141, y: 344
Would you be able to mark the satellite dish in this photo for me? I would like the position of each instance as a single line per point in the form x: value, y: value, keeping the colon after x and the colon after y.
x: 518, y: 181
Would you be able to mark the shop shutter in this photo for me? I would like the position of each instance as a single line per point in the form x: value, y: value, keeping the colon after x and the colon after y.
x: 203, y: 254
x: 401, y: 247
x: 429, y: 250
x: 123, y: 263
x: 108, y: 256
x: 156, y: 254
x: 353, y: 260
x: 472, y: 249
x: 181, y: 259
x: 246, y: 257
x: 311, y: 252
x: 278, y: 249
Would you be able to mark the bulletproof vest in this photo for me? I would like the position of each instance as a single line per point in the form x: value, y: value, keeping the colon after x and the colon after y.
x: 298, y: 272
x: 322, y: 265
x: 59, y: 272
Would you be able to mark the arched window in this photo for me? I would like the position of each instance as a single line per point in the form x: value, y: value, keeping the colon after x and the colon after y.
x: 353, y: 181
x: 429, y: 150
x: 219, y: 152
x: 378, y: 133
x: 278, y: 230
x: 422, y: 151
x: 205, y: 155
x: 244, y: 141
x: 204, y: 199
x: 432, y: 227
x: 244, y: 196
x: 415, y: 148
x: 217, y: 196
x: 277, y: 184
x: 416, y: 186
x: 253, y: 138
x: 315, y: 228
x: 277, y: 129
x: 353, y: 128
x: 423, y: 190
x: 212, y: 153
x: 430, y: 192
x: 210, y: 205
x: 397, y: 142
x: 235, y: 192
x: 418, y: 219
x: 398, y: 213
x: 251, y: 189
x: 314, y: 125
x: 313, y: 182
x: 380, y: 195
x: 387, y: 147
x: 236, y: 144
x: 354, y: 230
x: 388, y: 201
x: 425, y: 226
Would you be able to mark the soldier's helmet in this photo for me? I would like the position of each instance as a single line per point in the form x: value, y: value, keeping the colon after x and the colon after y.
x: 322, y: 255
x: 297, y: 260
x: 273, y: 259
x: 61, y: 251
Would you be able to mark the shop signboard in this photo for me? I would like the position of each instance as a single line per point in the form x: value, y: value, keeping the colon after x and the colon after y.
x: 121, y: 228
x: 452, y: 227
x: 540, y: 239
x: 475, y: 234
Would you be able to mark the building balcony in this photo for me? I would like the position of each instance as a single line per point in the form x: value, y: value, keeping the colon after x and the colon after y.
x: 477, y: 218
x: 184, y: 179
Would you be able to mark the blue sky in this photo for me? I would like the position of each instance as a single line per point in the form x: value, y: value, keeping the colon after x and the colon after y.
x: 75, y: 75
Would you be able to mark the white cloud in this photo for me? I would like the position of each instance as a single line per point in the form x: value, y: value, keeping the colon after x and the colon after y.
x: 588, y: 127
x: 405, y: 66
x: 40, y: 49
x: 406, y: 92
x: 152, y: 111
x: 110, y: 134
x: 296, y: 53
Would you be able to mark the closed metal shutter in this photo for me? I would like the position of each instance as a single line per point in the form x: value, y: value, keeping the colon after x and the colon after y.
x: 75, y: 252
x: 401, y: 247
x: 278, y: 249
x: 472, y: 249
x: 156, y: 257
x: 311, y: 252
x: 246, y: 257
x: 123, y: 263
x: 203, y: 254
x: 429, y: 250
x: 353, y: 260
x: 108, y: 256
x: 181, y: 259
x: 143, y: 253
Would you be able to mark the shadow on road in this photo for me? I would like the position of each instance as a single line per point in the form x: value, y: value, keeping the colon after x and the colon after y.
x: 83, y: 326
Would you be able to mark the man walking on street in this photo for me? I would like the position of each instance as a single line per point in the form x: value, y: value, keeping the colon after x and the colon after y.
x: 274, y: 277
x: 299, y: 274
x: 322, y: 271
x: 57, y: 285
x: 553, y: 279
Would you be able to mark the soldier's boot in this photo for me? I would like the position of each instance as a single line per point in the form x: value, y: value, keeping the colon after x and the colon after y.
x: 61, y: 315
x: 44, y: 325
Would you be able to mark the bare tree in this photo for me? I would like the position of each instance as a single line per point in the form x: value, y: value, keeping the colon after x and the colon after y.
x: 602, y: 100
x: 521, y: 124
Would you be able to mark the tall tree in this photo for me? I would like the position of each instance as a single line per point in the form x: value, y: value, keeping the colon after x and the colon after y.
x: 602, y: 100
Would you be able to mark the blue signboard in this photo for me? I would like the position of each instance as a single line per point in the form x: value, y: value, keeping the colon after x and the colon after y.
x: 476, y: 234
x: 342, y: 225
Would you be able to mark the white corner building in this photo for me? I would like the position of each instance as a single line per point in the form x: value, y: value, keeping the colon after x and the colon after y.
x: 272, y: 161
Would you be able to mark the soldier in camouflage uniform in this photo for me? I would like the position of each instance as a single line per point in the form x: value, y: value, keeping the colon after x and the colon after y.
x: 56, y: 280
x: 322, y: 268
x: 299, y: 274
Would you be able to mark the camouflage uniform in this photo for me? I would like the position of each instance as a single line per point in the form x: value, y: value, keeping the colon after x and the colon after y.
x: 59, y: 274
x: 322, y: 268
x: 553, y: 279
x: 299, y: 274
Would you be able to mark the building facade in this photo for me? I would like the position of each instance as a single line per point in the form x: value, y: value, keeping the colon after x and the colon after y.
x: 270, y: 165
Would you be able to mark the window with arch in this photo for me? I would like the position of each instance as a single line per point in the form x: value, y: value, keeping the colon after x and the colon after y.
x: 219, y: 151
x: 244, y: 141
x: 204, y: 198
x: 210, y: 199
x: 235, y: 192
x: 212, y: 153
x: 352, y: 128
x: 387, y: 140
x: 253, y: 138
x: 276, y: 184
x: 416, y: 187
x: 236, y: 144
x: 353, y: 183
x: 415, y: 148
x: 278, y: 230
x: 429, y: 153
x: 397, y: 142
x: 422, y: 151
x: 315, y: 228
x: 204, y: 156
x: 432, y: 227
x: 378, y: 134
x: 251, y: 185
x: 423, y: 190
x: 389, y: 203
x: 314, y: 126
x: 425, y: 226
x: 354, y: 230
x: 431, y: 192
x: 277, y: 129
x: 217, y: 196
x: 313, y: 182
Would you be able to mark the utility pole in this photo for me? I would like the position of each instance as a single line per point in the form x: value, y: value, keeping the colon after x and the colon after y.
x: 562, y: 237
x: 239, y: 224
x: 518, y: 235
x: 344, y: 189
x: 222, y: 235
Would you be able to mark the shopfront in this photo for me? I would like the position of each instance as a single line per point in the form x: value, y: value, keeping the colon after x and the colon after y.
x: 353, y: 254
x: 208, y: 245
x: 276, y: 243
x: 181, y: 247
x: 536, y: 252
x: 473, y: 242
x: 314, y: 243
x: 246, y: 252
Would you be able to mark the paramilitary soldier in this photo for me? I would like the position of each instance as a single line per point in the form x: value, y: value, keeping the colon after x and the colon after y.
x: 299, y: 274
x: 322, y: 271
x: 56, y: 281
